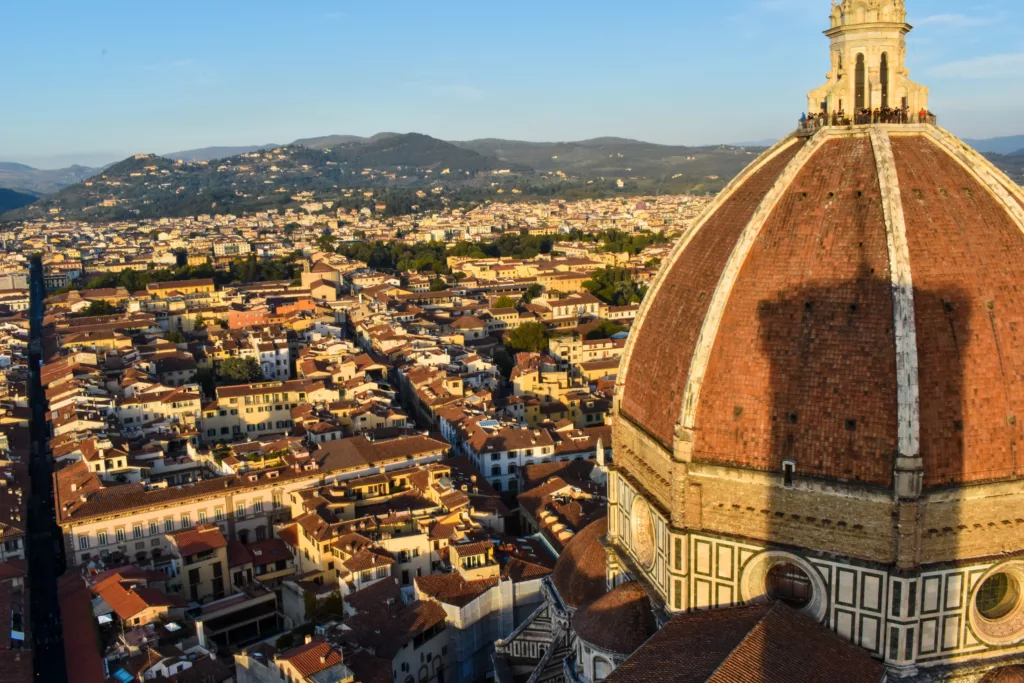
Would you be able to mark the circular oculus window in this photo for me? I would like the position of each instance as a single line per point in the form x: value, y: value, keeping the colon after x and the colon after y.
x: 997, y: 608
x: 777, y: 575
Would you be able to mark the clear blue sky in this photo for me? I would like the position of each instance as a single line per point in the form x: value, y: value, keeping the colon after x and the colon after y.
x: 96, y: 81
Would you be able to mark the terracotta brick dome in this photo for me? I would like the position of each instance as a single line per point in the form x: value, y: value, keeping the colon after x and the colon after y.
x: 619, y: 621
x: 853, y: 304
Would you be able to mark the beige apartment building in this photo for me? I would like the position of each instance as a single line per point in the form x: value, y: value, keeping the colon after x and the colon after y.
x: 181, y: 405
x: 201, y: 554
x: 165, y: 290
x: 258, y: 410
x: 134, y: 519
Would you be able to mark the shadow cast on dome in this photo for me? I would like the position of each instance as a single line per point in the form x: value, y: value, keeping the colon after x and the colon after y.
x: 834, y: 530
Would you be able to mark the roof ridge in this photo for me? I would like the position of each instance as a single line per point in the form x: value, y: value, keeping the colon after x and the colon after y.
x: 744, y: 639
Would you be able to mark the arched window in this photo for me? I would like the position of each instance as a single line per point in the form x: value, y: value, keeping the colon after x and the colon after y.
x: 884, y: 76
x: 602, y: 668
x: 858, y: 84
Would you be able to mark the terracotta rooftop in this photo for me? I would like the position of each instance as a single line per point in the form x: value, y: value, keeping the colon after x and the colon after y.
x: 80, y: 647
x: 756, y: 644
x: 311, y: 658
x: 199, y: 539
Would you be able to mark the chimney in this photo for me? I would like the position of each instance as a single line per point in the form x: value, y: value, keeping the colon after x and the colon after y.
x: 309, y: 639
x: 323, y: 658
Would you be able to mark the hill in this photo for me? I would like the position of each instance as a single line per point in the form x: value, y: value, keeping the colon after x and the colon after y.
x: 1005, y: 145
x: 150, y: 186
x: 329, y: 141
x: 211, y: 153
x: 37, y: 181
x: 418, y: 152
x: 10, y: 200
x: 1011, y: 164
x: 619, y: 157
x: 405, y: 172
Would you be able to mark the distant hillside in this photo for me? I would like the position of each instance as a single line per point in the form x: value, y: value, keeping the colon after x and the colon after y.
x: 619, y: 157
x: 1005, y: 145
x: 33, y: 180
x: 1011, y: 164
x: 148, y: 186
x: 211, y: 153
x: 406, y: 173
x: 418, y: 152
x: 329, y: 141
x: 10, y: 200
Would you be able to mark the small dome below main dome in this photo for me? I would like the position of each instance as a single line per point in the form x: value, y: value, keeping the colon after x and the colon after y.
x: 619, y: 622
x: 579, y: 574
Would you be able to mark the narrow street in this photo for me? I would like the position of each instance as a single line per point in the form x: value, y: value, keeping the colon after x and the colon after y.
x: 45, y: 547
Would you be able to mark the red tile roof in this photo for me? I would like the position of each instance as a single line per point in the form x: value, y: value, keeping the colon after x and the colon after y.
x: 128, y: 602
x: 311, y: 658
x: 80, y: 647
x: 199, y: 539
x: 453, y: 589
x: 753, y: 644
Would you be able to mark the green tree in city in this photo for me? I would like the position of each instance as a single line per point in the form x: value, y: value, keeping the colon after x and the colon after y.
x: 101, y: 307
x: 532, y: 292
x: 326, y: 242
x: 175, y: 337
x: 207, y: 382
x: 318, y: 611
x: 505, y: 302
x: 240, y: 371
x: 615, y: 286
x: 605, y: 330
x: 531, y: 336
x: 438, y: 285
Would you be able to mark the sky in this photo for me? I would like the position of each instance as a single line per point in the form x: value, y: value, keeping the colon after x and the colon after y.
x: 94, y: 82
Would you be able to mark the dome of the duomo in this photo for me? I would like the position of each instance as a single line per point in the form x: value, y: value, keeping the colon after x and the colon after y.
x: 821, y: 401
x: 853, y: 297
